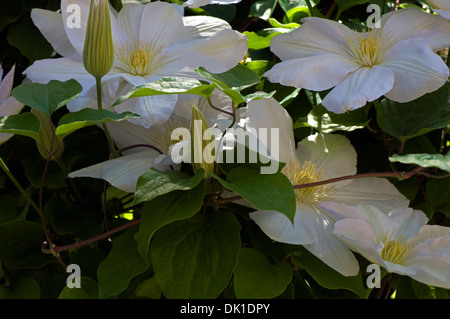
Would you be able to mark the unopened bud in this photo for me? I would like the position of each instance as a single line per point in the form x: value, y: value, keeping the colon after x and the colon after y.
x: 48, y: 143
x: 98, y: 51
x: 200, y: 158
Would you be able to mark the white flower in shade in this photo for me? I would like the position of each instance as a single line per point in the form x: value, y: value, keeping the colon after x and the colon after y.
x: 442, y: 7
x: 151, y: 147
x: 199, y: 3
x: 397, y: 60
x: 8, y: 104
x: 317, y: 158
x: 399, y: 241
x: 151, y: 41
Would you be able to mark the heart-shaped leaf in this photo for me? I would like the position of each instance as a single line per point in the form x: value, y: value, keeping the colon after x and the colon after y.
x: 256, y: 278
x: 47, y: 97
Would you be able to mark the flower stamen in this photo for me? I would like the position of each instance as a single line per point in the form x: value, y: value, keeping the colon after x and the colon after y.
x: 395, y: 249
x: 305, y: 175
x: 369, y: 48
x: 137, y: 58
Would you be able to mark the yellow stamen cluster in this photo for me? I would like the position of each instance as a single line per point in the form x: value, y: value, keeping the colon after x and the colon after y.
x: 137, y: 58
x: 369, y: 48
x: 395, y: 249
x: 307, y: 174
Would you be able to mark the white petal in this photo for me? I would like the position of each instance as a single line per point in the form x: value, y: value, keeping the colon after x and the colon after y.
x: 269, y: 114
x: 315, y: 36
x: 216, y: 54
x: 279, y: 228
x: 358, y: 235
x: 162, y: 24
x: 443, y: 13
x: 412, y: 23
x: 417, y: 70
x: 130, y: 18
x: 10, y: 107
x: 360, y: 87
x: 62, y: 69
x: 431, y: 260
x: 316, y: 72
x: 125, y: 133
x: 330, y: 249
x: 51, y: 25
x: 6, y: 84
x: 332, y: 153
x: 428, y: 232
x: 77, y: 34
x: 204, y: 26
x: 378, y: 192
x: 122, y: 172
x: 153, y: 109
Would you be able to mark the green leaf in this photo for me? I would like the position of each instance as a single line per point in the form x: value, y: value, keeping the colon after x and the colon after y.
x: 262, y: 191
x: 287, y: 5
x: 258, y: 42
x: 425, y: 160
x: 121, y: 265
x: 20, y: 245
x: 25, y: 124
x: 82, y: 222
x: 153, y: 183
x: 169, y: 85
x: 88, y: 290
x: 22, y: 288
x: 328, y: 277
x: 149, y: 289
x: 256, y: 278
x: 263, y: 9
x: 438, y: 194
x: 344, y: 5
x: 238, y: 78
x: 25, y: 36
x: 47, y: 97
x: 418, y: 117
x: 166, y: 209
x: 195, y: 258
x: 73, y: 121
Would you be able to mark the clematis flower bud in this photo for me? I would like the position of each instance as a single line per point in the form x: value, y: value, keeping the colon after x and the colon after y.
x: 98, y: 51
x: 48, y: 143
x: 200, y: 157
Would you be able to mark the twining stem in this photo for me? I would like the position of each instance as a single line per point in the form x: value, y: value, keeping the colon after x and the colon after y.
x: 400, y: 175
x: 19, y: 187
x: 112, y: 149
x: 59, y: 249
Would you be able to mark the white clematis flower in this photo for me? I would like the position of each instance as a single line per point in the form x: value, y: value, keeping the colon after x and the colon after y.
x: 399, y: 241
x: 199, y: 3
x: 442, y: 7
x: 396, y: 60
x: 317, y: 158
x: 152, y: 41
x: 8, y: 104
x: 152, y: 146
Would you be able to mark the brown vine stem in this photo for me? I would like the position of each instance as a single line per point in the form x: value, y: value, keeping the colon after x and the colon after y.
x: 399, y: 175
x: 58, y: 249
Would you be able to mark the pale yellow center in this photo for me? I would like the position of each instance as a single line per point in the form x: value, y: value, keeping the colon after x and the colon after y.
x: 306, y: 174
x: 395, y: 249
x: 137, y: 58
x: 369, y: 47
